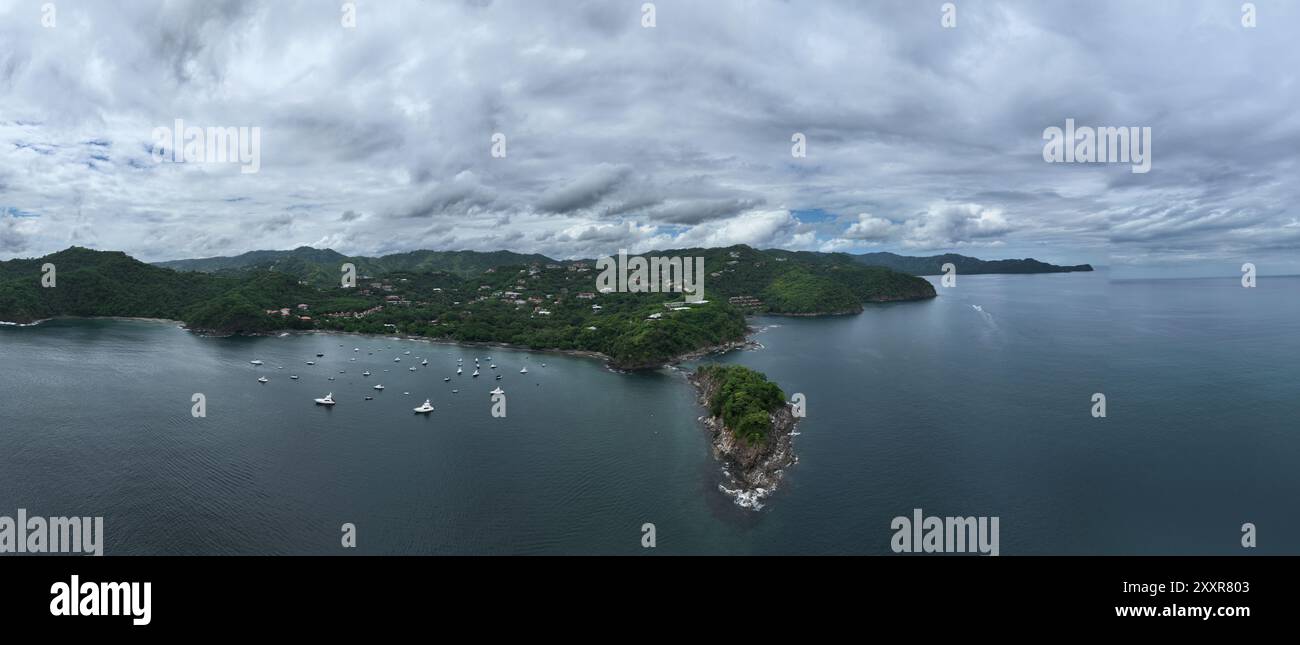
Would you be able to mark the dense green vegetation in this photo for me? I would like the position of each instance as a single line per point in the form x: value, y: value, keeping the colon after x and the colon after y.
x: 965, y: 265
x: 537, y: 304
x: 321, y: 266
x: 818, y: 282
x: 743, y: 398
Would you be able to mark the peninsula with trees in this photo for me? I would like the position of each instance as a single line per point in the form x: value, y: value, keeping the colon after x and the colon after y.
x: 501, y: 297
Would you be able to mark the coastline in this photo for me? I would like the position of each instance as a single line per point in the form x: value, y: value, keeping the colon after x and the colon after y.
x: 35, y: 323
x: 722, y: 348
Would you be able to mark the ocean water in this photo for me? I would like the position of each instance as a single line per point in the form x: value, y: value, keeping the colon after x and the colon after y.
x: 977, y: 403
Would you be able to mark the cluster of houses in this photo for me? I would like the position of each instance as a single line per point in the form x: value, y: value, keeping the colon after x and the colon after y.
x: 286, y: 312
x: 745, y: 301
x: 356, y: 314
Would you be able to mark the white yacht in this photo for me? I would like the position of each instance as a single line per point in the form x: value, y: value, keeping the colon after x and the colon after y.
x: 255, y: 362
x: 366, y: 373
x: 397, y: 360
x: 425, y: 409
x: 328, y: 399
x: 523, y: 370
x: 458, y: 370
x: 493, y: 366
x: 293, y: 377
x: 445, y: 379
x: 424, y: 362
x: 497, y: 391
x: 412, y: 369
x: 406, y: 353
x: 475, y: 374
x: 263, y: 380
x: 379, y: 387
x: 311, y: 362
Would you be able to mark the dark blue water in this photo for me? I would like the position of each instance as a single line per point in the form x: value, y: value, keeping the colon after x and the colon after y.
x: 933, y: 405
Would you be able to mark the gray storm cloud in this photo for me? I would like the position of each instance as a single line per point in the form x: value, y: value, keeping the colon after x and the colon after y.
x: 619, y: 136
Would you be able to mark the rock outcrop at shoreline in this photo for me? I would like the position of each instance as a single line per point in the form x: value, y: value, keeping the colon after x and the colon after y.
x: 754, y: 464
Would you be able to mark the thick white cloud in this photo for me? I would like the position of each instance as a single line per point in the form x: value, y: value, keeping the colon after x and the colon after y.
x: 870, y: 228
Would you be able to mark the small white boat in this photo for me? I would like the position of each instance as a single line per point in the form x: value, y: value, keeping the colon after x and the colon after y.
x: 455, y: 391
x: 255, y: 362
x: 498, y: 391
x: 311, y: 362
x: 379, y: 387
x: 263, y: 380
x: 493, y: 366
x: 426, y: 408
x: 444, y: 380
x: 397, y: 360
x: 523, y: 370
x: 328, y: 399
x: 498, y: 377
x: 293, y: 377
x: 412, y: 369
x: 331, y: 378
x: 458, y: 370
x: 406, y: 353
x: 475, y: 374
x: 356, y: 349
x: 424, y: 362
x: 366, y: 373
x: 370, y: 398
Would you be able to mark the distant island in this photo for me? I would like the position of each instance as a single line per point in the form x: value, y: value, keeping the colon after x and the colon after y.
x: 965, y: 265
x: 501, y: 297
x: 750, y: 428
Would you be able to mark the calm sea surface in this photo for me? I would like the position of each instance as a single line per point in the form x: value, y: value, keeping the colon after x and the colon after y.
x: 975, y: 403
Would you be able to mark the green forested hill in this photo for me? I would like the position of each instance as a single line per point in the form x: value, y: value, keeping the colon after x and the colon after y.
x: 539, y: 304
x: 965, y: 265
x: 321, y: 267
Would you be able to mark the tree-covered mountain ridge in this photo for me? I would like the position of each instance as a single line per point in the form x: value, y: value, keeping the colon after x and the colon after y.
x: 963, y: 264
x: 531, y: 301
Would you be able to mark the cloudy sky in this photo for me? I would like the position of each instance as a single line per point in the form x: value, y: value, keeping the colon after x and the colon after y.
x: 921, y: 139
